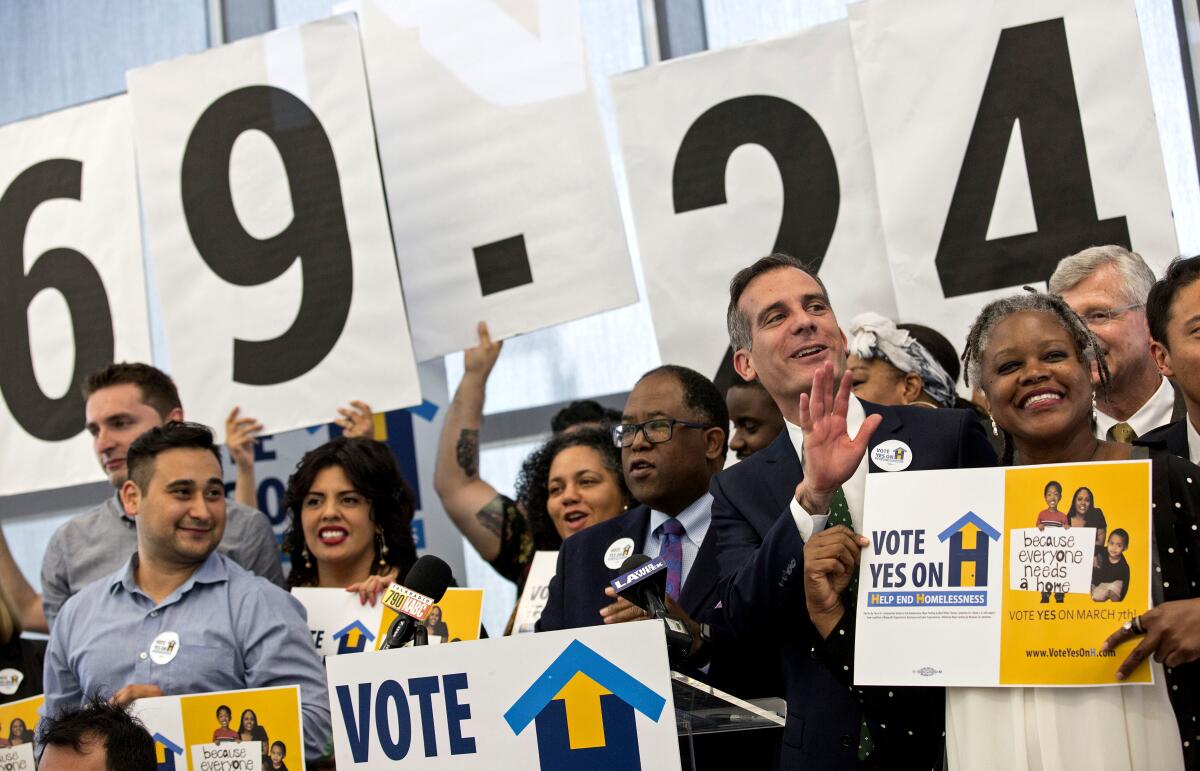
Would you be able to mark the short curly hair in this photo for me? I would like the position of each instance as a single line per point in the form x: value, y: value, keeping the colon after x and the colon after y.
x: 1087, y: 348
x: 372, y: 469
x: 533, y: 481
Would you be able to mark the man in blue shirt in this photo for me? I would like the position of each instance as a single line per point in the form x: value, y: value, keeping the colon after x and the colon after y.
x: 179, y: 617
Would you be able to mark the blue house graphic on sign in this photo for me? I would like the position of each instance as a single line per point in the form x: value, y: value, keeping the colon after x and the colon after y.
x: 353, y: 638
x: 165, y: 751
x: 969, y: 549
x: 583, y: 707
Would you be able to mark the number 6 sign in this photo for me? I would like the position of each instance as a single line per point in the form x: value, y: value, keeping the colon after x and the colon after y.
x: 72, y: 293
x: 268, y: 230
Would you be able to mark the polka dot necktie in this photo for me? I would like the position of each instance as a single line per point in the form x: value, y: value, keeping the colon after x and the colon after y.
x: 839, y: 514
x: 670, y: 535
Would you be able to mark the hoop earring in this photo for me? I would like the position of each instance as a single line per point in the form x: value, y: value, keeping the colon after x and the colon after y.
x: 1095, y: 412
x: 995, y: 430
x: 382, y: 548
x: 304, y: 553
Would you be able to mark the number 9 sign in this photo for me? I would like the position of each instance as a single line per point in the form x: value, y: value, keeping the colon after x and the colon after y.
x: 268, y: 231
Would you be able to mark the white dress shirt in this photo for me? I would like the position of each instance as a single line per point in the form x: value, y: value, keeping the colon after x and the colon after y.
x: 1154, y: 413
x: 1193, y: 441
x: 855, y: 487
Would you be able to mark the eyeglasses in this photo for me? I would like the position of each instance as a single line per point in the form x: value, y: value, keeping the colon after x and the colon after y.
x: 656, y: 431
x: 1099, y: 318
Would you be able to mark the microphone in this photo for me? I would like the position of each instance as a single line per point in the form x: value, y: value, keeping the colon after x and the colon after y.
x: 424, y: 586
x: 643, y: 581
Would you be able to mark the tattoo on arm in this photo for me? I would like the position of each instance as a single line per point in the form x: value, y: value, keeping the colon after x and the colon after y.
x: 468, y: 452
x: 491, y: 516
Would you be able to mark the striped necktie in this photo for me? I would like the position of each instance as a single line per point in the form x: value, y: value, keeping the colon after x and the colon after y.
x: 670, y: 548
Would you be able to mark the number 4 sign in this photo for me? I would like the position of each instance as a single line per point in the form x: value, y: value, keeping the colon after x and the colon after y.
x: 268, y: 229
x: 1006, y: 135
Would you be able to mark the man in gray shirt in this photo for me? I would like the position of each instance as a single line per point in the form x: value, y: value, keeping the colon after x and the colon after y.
x: 124, y: 401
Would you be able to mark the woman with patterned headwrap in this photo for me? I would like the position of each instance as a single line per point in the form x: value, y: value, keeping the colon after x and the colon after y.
x: 890, y: 366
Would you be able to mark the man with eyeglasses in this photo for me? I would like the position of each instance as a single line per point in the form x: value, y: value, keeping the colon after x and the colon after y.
x: 789, y: 521
x: 1108, y: 287
x: 673, y: 439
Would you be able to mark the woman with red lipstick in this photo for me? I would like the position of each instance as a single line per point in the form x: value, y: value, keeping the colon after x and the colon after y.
x: 1033, y: 357
x: 351, y: 518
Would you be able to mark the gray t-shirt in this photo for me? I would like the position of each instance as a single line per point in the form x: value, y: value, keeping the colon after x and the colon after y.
x: 96, y: 543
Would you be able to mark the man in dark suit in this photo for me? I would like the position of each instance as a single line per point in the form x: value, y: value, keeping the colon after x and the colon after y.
x: 673, y: 440
x: 1173, y: 314
x: 788, y: 574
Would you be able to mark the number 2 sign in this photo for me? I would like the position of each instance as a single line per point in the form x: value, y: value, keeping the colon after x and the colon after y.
x: 737, y: 153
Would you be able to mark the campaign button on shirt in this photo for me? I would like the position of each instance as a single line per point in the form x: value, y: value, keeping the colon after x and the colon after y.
x: 164, y: 648
x: 618, y: 551
x: 10, y: 681
x: 892, y: 455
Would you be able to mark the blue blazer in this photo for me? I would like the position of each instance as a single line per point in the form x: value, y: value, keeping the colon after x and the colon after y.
x: 762, y: 564
x: 577, y: 595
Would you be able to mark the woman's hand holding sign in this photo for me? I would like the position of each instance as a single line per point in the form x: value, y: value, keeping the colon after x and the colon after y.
x: 830, y: 459
x: 1172, y: 634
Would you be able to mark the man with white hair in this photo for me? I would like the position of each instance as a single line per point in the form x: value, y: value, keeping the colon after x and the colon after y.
x: 1108, y: 287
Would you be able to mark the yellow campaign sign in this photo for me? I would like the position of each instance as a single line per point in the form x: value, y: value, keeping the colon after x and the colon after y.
x: 18, y: 721
x: 1003, y: 576
x: 1051, y: 637
x: 454, y: 618
x: 268, y: 715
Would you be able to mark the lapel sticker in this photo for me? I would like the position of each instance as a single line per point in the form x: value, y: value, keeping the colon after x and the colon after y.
x: 10, y: 681
x: 617, y: 553
x: 892, y: 455
x: 164, y: 648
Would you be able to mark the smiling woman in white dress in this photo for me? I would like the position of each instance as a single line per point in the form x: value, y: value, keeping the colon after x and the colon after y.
x: 1033, y: 358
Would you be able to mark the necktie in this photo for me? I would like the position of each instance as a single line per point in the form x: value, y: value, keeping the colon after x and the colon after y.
x: 670, y: 535
x: 1122, y: 432
x: 839, y: 514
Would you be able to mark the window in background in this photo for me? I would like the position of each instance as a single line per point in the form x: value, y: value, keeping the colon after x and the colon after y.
x: 1160, y: 39
x: 291, y: 12
x: 58, y: 53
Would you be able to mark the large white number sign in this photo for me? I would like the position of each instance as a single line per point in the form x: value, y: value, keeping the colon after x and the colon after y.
x: 72, y: 293
x: 268, y: 229
x: 499, y: 182
x: 1006, y: 135
x: 734, y: 154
